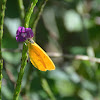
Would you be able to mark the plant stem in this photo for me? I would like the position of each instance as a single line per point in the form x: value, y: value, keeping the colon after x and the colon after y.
x: 2, y: 14
x: 21, y: 73
x: 38, y: 14
x: 46, y: 87
x: 1, y: 66
x: 24, y: 53
x: 29, y: 13
x: 22, y: 10
x: 29, y: 77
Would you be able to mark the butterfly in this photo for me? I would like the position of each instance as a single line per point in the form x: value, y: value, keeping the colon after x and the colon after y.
x: 39, y: 57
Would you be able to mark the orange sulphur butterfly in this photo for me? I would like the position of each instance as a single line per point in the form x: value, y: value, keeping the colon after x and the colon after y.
x: 39, y: 58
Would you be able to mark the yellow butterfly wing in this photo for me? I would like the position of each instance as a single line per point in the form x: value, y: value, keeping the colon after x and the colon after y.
x: 39, y: 58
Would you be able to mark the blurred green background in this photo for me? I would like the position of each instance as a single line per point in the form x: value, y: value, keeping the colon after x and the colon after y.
x: 69, y: 27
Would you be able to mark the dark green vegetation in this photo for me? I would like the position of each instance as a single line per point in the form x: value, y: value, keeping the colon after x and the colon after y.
x: 70, y: 28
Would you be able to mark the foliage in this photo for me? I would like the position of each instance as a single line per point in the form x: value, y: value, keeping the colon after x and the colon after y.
x: 67, y: 27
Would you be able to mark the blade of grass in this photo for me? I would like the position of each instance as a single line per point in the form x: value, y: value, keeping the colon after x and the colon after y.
x: 46, y: 86
x: 47, y: 89
x: 2, y: 14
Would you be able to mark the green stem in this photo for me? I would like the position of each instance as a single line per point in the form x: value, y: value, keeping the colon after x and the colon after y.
x: 24, y: 53
x: 21, y: 73
x: 1, y: 66
x: 29, y: 13
x: 38, y: 14
x: 22, y: 10
x: 2, y: 14
x: 46, y: 87
x: 29, y: 77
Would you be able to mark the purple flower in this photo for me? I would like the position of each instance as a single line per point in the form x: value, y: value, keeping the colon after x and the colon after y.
x: 23, y: 34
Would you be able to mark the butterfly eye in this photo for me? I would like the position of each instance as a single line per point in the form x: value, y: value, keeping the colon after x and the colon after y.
x: 30, y: 40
